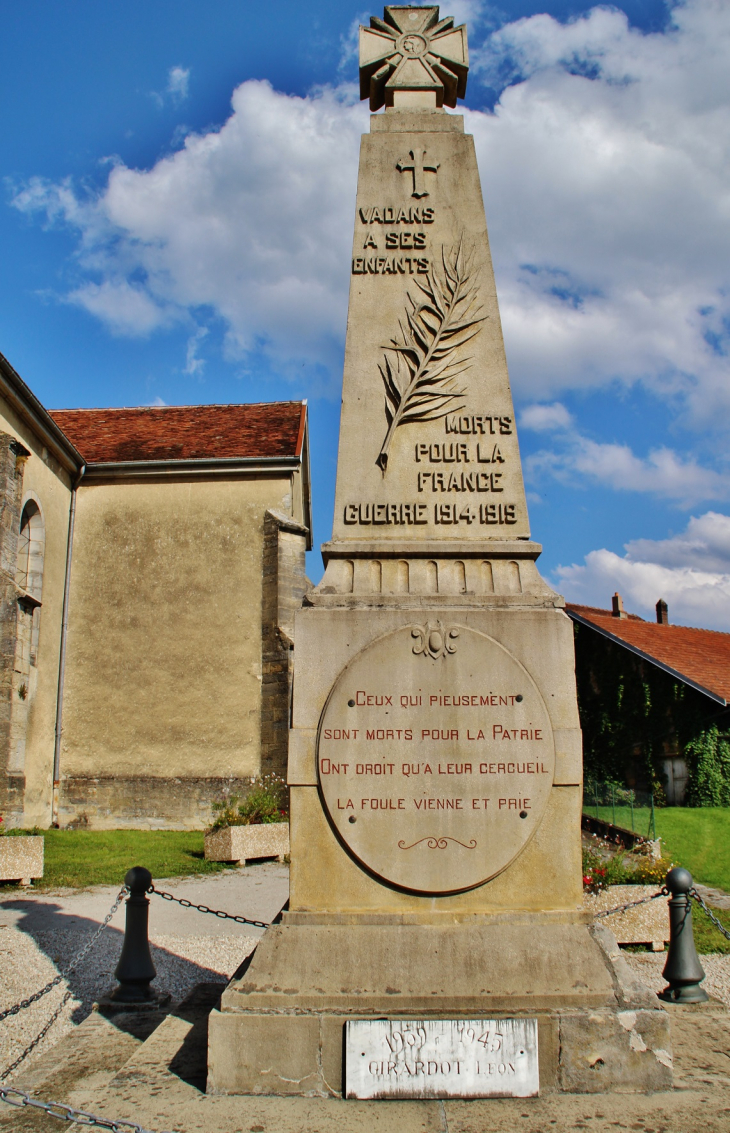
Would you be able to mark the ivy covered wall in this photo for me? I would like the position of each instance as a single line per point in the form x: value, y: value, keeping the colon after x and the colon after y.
x: 634, y: 716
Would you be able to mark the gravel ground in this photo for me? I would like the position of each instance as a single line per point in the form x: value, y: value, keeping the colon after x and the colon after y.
x: 29, y: 962
x: 648, y: 966
x: 643, y: 924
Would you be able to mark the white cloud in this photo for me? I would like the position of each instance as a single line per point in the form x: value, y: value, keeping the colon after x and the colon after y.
x: 704, y: 545
x: 663, y: 472
x: 177, y: 88
x: 252, y: 222
x: 690, y: 571
x: 575, y: 457
x: 606, y: 179
x: 350, y: 41
x: 178, y: 83
x: 545, y: 418
x: 608, y: 194
x: 193, y: 363
x: 469, y: 12
x: 125, y: 308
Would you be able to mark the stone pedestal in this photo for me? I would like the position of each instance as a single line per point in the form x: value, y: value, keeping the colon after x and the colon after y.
x: 356, y: 945
x: 598, y: 1029
x: 435, y: 750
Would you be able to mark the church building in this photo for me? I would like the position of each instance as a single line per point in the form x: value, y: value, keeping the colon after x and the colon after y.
x: 151, y: 563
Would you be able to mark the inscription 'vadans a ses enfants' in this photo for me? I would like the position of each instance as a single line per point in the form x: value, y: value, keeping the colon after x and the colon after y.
x: 435, y: 770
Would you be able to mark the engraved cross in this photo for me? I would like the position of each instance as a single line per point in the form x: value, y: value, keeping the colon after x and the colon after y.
x: 417, y: 165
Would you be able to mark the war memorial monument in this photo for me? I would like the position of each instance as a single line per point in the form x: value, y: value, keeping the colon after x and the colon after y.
x: 435, y: 943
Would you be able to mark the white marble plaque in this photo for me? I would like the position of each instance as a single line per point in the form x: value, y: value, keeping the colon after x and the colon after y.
x: 435, y: 757
x: 441, y: 1058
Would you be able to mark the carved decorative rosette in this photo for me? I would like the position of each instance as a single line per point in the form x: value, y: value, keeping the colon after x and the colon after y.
x: 433, y: 641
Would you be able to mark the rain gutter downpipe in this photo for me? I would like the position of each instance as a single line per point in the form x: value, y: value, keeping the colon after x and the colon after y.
x: 62, y: 659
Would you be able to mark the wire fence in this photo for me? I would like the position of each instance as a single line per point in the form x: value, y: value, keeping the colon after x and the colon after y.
x: 622, y: 807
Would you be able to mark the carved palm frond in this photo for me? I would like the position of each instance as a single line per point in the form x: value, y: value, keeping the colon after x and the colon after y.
x: 421, y: 367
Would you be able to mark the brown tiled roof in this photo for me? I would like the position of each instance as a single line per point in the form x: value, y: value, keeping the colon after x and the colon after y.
x: 700, y: 657
x: 185, y: 432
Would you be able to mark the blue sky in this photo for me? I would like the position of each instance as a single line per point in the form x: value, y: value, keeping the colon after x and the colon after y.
x: 176, y: 219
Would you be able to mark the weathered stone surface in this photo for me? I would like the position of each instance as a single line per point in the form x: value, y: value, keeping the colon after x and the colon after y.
x: 597, y: 1024
x: 12, y: 617
x: 164, y: 576
x: 435, y: 757
x: 284, y: 584
x: 440, y: 456
x: 615, y: 1050
x: 239, y: 843
x: 21, y: 857
x: 280, y: 1057
x: 143, y: 802
x: 464, y: 969
x: 411, y: 57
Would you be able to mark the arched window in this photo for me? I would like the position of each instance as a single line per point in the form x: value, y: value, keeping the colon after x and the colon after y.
x: 29, y: 578
x: 31, y: 549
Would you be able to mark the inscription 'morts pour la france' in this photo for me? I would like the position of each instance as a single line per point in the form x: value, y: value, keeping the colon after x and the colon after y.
x: 435, y: 757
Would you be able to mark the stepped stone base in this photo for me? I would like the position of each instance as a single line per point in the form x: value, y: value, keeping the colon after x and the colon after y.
x: 280, y: 1026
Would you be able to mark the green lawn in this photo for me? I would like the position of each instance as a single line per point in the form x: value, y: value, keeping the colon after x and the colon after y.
x: 102, y: 857
x: 707, y: 937
x: 695, y: 837
x: 699, y: 839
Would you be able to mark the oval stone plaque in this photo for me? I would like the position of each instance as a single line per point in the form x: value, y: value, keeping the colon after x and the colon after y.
x: 435, y: 757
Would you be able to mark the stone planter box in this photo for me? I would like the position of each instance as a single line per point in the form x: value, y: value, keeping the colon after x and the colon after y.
x: 21, y: 858
x: 243, y: 843
x: 646, y: 924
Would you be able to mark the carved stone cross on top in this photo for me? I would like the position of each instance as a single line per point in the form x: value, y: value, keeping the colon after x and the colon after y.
x: 417, y: 165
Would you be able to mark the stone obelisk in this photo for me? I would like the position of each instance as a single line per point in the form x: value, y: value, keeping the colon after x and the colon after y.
x: 435, y: 749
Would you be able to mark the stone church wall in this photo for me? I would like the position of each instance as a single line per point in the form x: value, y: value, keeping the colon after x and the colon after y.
x: 30, y: 634
x: 177, y: 670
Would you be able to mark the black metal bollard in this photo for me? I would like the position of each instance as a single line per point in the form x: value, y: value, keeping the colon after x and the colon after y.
x: 135, y: 969
x: 682, y: 970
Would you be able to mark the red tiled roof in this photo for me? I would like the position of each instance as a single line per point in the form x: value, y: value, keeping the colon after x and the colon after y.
x: 700, y: 657
x: 185, y: 432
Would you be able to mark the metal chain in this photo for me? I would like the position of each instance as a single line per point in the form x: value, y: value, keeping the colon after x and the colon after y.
x: 65, y: 972
x: 68, y: 1113
x: 204, y: 909
x: 663, y: 892
x: 60, y: 1110
x: 41, y: 1035
x: 717, y: 923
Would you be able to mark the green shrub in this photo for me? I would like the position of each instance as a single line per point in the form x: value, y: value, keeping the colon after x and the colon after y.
x: 266, y: 801
x: 708, y: 769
